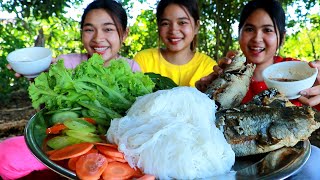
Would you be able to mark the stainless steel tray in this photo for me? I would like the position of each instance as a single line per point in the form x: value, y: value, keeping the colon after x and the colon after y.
x: 278, y: 164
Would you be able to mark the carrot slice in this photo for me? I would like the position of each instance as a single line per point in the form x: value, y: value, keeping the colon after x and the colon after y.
x: 72, y: 161
x: 55, y: 129
x: 117, y: 170
x: 107, y: 144
x: 71, y: 151
x: 110, y: 158
x: 137, y: 173
x: 92, y: 151
x: 48, y: 153
x: 91, y: 166
x: 89, y: 120
x: 147, y: 177
x: 109, y: 151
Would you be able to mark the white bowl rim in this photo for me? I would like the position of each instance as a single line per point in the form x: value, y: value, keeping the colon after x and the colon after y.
x: 21, y: 49
x: 315, y: 73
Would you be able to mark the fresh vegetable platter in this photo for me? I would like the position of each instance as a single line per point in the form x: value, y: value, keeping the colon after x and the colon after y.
x: 77, y: 107
x: 35, y: 134
x: 73, y: 160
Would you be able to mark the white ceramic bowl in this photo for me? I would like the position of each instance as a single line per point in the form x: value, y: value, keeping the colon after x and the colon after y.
x: 31, y: 61
x: 290, y: 77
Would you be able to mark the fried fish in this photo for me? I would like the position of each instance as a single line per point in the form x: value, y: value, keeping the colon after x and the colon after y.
x: 229, y: 88
x: 266, y: 125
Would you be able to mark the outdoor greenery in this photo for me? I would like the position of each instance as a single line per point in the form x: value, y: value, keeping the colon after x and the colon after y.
x: 43, y: 23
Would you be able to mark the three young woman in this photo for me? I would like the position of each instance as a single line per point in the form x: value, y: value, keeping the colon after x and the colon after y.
x: 103, y: 26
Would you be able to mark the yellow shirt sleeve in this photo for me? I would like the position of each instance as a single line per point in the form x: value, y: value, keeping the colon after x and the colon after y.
x: 151, y: 60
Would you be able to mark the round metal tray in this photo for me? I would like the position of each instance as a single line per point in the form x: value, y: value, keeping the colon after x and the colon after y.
x: 278, y: 164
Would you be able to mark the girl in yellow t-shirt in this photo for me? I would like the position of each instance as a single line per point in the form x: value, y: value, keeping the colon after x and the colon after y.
x: 178, y: 24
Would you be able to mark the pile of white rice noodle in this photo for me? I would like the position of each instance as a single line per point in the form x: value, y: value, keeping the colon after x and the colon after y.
x: 171, y: 134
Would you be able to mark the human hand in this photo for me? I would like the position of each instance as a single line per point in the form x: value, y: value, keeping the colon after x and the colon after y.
x: 316, y: 64
x: 311, y: 96
x: 15, y: 74
x: 203, y: 83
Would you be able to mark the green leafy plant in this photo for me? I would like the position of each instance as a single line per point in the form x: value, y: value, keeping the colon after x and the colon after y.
x: 102, y: 92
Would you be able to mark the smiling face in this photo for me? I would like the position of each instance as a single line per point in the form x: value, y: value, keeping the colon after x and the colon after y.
x: 258, y: 38
x: 177, y: 28
x: 100, y: 34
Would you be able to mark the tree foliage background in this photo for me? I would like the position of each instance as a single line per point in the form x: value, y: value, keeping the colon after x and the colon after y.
x: 216, y: 37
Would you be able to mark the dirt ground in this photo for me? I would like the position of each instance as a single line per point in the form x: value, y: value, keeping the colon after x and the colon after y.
x: 15, y: 115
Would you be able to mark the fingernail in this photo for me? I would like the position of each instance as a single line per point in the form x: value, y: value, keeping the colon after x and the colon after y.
x: 303, y: 93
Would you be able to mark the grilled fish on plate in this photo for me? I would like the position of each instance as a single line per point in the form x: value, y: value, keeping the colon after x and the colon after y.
x: 260, y: 127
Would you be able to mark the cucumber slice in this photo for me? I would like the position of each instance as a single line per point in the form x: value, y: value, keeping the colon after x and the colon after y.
x: 60, y: 117
x: 59, y: 142
x: 84, y: 136
x: 80, y: 125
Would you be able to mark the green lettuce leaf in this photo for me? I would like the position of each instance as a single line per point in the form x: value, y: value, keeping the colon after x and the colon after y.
x: 102, y: 92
